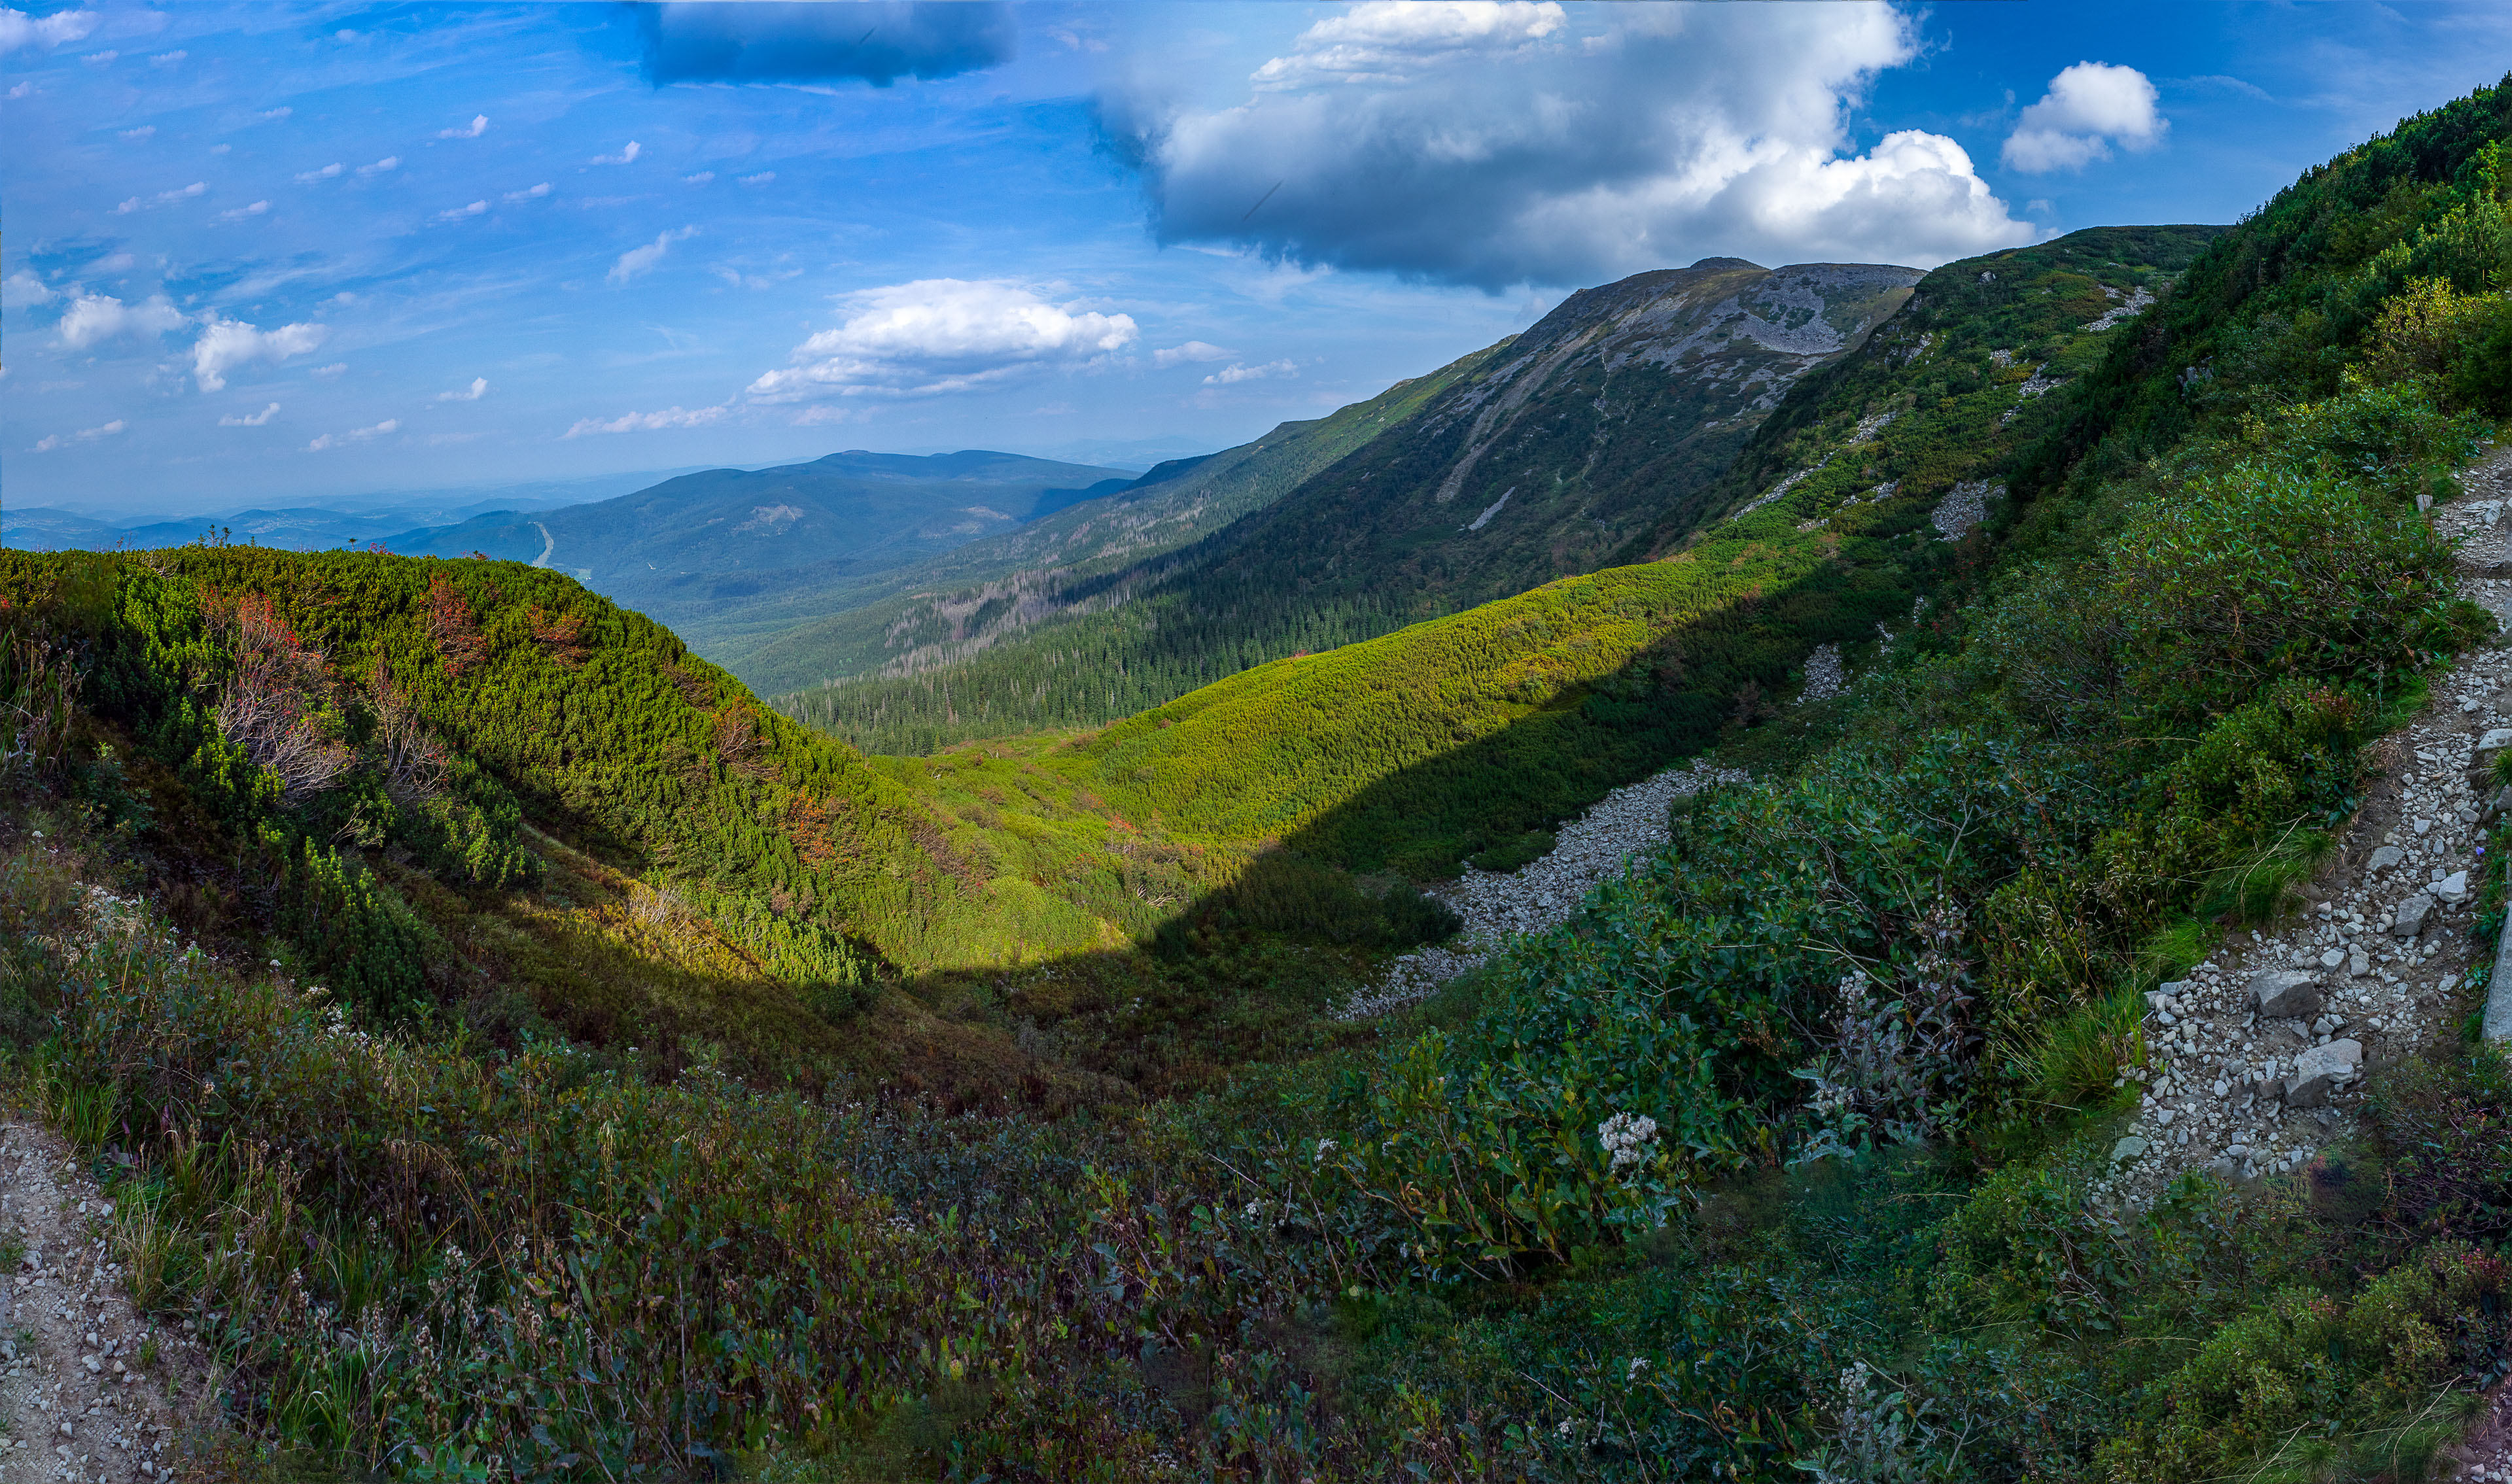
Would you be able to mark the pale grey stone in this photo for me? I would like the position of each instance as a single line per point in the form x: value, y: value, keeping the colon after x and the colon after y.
x: 2281, y: 994
x: 2410, y: 919
x: 2321, y: 1069
x: 2452, y: 888
x: 2127, y: 1149
x: 2384, y: 858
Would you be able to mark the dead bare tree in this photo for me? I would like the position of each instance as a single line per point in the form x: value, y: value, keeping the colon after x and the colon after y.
x: 415, y: 765
x: 272, y: 706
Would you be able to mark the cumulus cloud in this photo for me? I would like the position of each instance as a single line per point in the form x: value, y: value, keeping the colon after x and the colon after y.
x: 250, y: 419
x: 700, y: 178
x: 354, y: 435
x: 243, y: 211
x: 648, y: 423
x: 1191, y: 351
x: 626, y: 156
x: 637, y: 261
x: 1496, y: 145
x: 534, y: 193
x: 478, y: 389
x: 169, y: 59
x: 23, y: 288
x: 57, y: 29
x: 869, y: 42
x: 309, y: 176
x: 2090, y: 108
x: 479, y: 126
x: 943, y: 334
x: 456, y: 214
x: 761, y: 178
x: 1389, y: 40
x: 83, y: 434
x: 226, y: 344
x: 327, y: 373
x: 387, y: 162
x: 280, y: 112
x: 1235, y: 373
x: 92, y: 318
x: 144, y: 132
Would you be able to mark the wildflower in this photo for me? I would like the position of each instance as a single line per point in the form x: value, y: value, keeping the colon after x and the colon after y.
x: 1326, y: 1147
x: 1625, y: 1137
x: 1639, y: 1364
x: 1567, y: 1427
x: 1255, y: 1208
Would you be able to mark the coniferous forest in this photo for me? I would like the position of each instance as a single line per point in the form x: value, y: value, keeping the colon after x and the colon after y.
x: 507, y: 1046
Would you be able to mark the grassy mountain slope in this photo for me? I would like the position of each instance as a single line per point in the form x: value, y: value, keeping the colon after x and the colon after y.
x: 1552, y: 450
x: 695, y: 550
x: 1420, y: 747
x: 1086, y: 558
x: 1792, y: 1155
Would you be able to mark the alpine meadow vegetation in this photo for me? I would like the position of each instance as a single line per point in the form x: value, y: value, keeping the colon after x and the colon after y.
x: 524, y: 1054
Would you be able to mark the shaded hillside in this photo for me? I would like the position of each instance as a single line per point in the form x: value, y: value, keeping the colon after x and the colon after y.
x: 1087, y: 556
x: 702, y: 544
x: 1896, y: 510
x: 1552, y: 450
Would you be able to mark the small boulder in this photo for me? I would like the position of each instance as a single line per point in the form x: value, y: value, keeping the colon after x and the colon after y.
x: 2410, y: 919
x: 2358, y: 963
x: 2321, y: 1069
x: 2283, y: 993
x: 2384, y: 858
x: 2127, y: 1149
x: 2496, y: 738
x: 2453, y: 889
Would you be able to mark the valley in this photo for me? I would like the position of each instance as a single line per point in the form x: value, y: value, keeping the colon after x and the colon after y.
x: 1764, y: 879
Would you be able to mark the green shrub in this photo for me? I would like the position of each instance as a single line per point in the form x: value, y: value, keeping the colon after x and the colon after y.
x: 1526, y: 849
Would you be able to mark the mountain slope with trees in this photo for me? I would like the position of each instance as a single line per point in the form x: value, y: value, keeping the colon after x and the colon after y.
x: 1534, y: 461
x: 1793, y: 1154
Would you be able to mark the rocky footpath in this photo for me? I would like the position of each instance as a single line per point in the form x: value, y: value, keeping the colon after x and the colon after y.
x: 2256, y: 1061
x: 1497, y: 906
x: 88, y: 1390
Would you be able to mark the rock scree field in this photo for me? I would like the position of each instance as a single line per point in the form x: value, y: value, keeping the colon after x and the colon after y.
x: 1963, y: 945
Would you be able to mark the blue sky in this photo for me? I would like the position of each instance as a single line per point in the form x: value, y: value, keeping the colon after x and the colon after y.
x: 278, y: 253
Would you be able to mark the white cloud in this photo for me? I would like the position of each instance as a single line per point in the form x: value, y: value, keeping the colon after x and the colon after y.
x: 761, y: 178
x: 327, y: 372
x: 943, y: 334
x: 169, y: 59
x: 478, y: 389
x: 479, y: 126
x: 387, y: 162
x: 83, y: 434
x: 57, y: 29
x: 281, y: 112
x: 23, y: 288
x: 96, y: 317
x: 250, y: 419
x: 308, y: 178
x: 1500, y: 148
x: 354, y: 435
x: 648, y: 423
x: 532, y: 194
x: 163, y: 198
x: 637, y: 261
x: 1387, y: 40
x: 243, y: 211
x: 700, y: 178
x: 23, y: 90
x: 100, y: 58
x: 226, y: 344
x: 1191, y: 350
x: 1235, y: 373
x: 456, y: 214
x: 626, y: 156
x: 144, y: 132
x: 2089, y: 108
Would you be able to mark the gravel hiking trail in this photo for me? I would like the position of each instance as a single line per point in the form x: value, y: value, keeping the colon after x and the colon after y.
x: 88, y: 1390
